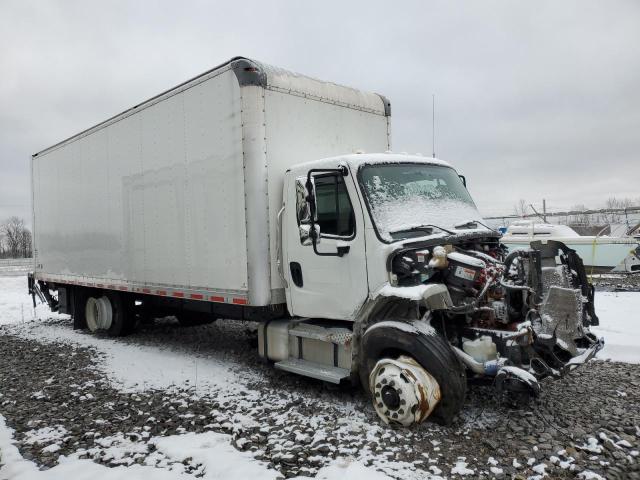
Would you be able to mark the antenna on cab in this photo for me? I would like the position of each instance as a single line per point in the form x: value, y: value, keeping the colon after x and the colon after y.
x: 433, y: 123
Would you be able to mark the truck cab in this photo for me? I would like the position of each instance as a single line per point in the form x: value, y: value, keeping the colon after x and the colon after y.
x: 364, y: 207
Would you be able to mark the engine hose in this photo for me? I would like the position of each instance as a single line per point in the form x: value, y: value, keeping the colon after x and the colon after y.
x: 481, y: 256
x: 511, y: 286
x: 487, y: 368
x: 507, y: 265
x: 487, y: 284
x: 512, y: 256
x: 469, y: 308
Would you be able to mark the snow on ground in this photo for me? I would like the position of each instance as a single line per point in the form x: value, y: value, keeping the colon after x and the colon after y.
x: 133, y: 368
x: 139, y: 366
x: 219, y: 460
x: 619, y: 314
x: 16, y: 305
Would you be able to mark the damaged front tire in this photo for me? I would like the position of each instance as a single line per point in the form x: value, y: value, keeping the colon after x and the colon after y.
x: 430, y: 352
x: 404, y: 393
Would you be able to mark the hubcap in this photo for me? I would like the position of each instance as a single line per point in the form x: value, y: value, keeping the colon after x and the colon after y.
x: 404, y: 393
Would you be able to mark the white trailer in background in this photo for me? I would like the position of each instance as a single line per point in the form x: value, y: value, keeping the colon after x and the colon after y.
x: 240, y: 194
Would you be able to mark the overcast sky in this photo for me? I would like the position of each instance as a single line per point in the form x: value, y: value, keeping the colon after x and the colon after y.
x: 537, y: 99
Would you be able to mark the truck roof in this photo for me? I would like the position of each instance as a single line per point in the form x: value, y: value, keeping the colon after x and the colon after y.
x: 252, y: 72
x: 356, y: 160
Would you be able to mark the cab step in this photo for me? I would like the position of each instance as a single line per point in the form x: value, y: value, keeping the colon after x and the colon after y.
x: 314, y: 370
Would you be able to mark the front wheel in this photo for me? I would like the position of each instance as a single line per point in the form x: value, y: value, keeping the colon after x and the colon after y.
x: 426, y: 373
x: 403, y: 392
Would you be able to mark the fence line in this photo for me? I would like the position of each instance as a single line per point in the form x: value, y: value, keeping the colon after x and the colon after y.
x: 622, y: 211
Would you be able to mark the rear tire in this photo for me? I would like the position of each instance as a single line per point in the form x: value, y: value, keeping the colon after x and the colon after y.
x: 119, y: 318
x: 432, y: 352
x: 106, y: 313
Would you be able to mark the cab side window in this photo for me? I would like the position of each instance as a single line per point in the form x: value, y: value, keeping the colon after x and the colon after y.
x: 335, y: 213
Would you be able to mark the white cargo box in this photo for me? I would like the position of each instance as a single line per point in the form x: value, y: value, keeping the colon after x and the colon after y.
x: 178, y: 196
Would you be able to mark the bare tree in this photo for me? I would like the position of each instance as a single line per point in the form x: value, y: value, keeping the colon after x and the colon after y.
x: 17, y: 238
x: 608, y: 218
x: 520, y: 208
x: 580, y: 218
x: 25, y: 243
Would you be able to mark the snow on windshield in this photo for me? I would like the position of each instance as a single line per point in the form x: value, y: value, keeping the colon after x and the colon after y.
x: 402, y: 196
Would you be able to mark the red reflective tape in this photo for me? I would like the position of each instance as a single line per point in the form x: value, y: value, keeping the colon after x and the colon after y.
x: 146, y: 290
x: 196, y: 296
x: 161, y: 292
x: 123, y: 288
x: 217, y: 299
x: 111, y: 287
x: 178, y: 294
x: 240, y: 301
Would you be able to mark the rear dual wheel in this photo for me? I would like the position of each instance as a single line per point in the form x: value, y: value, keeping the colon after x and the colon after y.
x: 106, y: 313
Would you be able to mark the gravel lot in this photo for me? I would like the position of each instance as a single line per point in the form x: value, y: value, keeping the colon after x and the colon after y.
x: 60, y: 403
x: 609, y: 282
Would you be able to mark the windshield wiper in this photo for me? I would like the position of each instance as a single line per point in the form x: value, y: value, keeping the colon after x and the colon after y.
x: 472, y: 224
x: 421, y: 228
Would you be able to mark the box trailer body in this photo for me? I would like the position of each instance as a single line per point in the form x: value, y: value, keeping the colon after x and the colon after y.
x: 177, y: 196
x: 253, y: 193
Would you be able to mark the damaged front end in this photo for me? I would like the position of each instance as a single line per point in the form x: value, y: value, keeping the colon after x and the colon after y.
x: 517, y: 317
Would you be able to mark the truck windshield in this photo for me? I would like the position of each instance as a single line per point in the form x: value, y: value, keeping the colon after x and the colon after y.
x: 414, y: 199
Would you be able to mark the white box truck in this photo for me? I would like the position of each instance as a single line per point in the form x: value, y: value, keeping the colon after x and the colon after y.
x: 253, y: 193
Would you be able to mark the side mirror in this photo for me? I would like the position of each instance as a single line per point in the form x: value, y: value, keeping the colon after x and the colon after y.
x: 303, y: 210
x: 307, y: 235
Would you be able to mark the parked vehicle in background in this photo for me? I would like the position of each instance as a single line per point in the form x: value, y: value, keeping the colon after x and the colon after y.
x: 236, y: 195
x: 599, y: 253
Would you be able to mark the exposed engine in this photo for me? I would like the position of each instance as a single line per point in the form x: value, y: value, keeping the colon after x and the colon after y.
x: 532, y: 308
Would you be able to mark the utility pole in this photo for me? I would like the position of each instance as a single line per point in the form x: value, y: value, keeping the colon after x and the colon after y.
x: 544, y: 210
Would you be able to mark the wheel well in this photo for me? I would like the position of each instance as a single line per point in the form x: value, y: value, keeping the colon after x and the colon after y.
x: 392, y: 353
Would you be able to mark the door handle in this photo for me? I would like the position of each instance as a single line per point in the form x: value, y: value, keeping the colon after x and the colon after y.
x: 343, y: 250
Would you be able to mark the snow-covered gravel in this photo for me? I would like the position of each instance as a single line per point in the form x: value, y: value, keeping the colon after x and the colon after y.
x: 173, y: 402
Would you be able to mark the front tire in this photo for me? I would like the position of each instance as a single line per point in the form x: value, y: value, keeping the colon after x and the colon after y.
x: 431, y: 351
x: 404, y: 393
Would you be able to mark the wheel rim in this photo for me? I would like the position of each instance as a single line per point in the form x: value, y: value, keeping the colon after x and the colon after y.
x: 404, y: 393
x: 98, y: 313
x: 91, y: 314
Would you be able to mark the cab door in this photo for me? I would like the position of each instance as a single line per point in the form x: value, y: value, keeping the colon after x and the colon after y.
x: 328, y: 279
